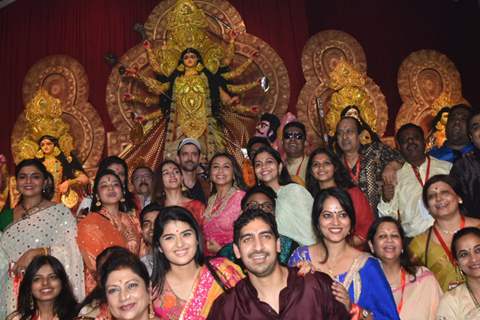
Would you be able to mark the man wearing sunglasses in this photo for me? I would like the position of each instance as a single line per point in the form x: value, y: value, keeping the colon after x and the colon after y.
x: 294, y: 142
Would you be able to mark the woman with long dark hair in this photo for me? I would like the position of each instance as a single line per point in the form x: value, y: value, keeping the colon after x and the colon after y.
x: 45, y: 292
x: 224, y: 204
x: 119, y: 166
x: 415, y: 289
x: 325, y: 170
x: 109, y: 223
x: 333, y: 219
x: 462, y: 302
x: 38, y: 227
x: 294, y: 202
x: 167, y: 190
x: 185, y: 284
x: 442, y: 197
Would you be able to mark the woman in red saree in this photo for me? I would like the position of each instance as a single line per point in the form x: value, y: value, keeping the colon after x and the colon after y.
x: 107, y: 224
x: 325, y: 170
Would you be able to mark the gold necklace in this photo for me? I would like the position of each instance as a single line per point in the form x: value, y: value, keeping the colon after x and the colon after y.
x: 31, y: 209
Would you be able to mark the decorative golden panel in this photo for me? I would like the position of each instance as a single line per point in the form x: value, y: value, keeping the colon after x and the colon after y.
x: 222, y: 17
x: 334, y: 66
x: 427, y: 81
x: 64, y: 78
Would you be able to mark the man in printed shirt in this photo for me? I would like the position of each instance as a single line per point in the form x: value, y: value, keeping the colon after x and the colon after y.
x: 404, y: 200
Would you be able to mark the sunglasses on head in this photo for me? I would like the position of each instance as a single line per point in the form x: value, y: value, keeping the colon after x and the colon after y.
x: 293, y: 135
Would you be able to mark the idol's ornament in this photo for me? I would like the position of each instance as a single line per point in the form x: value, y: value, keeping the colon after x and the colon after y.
x: 334, y: 66
x: 197, y: 74
x: 47, y: 137
x: 428, y: 83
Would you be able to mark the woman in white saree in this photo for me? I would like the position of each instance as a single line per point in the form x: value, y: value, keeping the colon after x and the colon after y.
x: 39, y: 227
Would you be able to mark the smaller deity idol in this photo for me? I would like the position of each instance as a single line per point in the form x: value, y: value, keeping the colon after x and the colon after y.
x: 437, y: 134
x: 46, y: 137
x: 66, y: 172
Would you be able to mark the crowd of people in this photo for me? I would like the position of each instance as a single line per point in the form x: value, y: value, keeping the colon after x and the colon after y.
x: 355, y: 230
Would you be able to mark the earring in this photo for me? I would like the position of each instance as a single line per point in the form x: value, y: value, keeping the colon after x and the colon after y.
x: 181, y: 68
x: 122, y: 200
x: 56, y: 151
x: 151, y: 312
x: 98, y: 203
x: 32, y: 303
x: 460, y: 201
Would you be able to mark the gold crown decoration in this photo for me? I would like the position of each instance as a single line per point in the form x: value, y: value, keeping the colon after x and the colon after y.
x: 348, y: 84
x: 187, y: 27
x: 43, y: 115
x: 443, y: 100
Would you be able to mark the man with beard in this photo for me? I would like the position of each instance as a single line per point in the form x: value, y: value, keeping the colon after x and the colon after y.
x: 270, y: 290
x: 294, y: 142
x: 457, y: 142
x: 467, y: 170
x: 404, y: 200
x: 367, y: 164
x: 188, y: 157
x: 267, y: 127
x: 142, y: 178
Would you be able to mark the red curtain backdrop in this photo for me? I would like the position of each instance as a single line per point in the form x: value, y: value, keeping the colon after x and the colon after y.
x: 390, y: 30
x: 87, y: 29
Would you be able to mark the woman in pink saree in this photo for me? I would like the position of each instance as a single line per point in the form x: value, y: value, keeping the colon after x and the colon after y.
x: 185, y: 284
x: 224, y: 204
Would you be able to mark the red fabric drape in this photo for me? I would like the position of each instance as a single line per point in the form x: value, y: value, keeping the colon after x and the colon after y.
x: 86, y: 30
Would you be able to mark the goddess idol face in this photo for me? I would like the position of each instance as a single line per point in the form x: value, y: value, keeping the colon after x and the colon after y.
x: 190, y: 59
x: 47, y: 146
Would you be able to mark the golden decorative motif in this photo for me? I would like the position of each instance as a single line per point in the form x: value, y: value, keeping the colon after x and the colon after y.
x: 427, y: 81
x: 221, y: 18
x: 191, y: 95
x: 334, y: 67
x: 43, y: 115
x: 65, y: 78
x: 348, y: 84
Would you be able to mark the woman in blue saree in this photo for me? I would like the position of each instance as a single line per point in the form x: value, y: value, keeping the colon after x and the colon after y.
x: 333, y: 219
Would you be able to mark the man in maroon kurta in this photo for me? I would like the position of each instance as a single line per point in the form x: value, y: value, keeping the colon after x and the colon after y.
x: 272, y: 291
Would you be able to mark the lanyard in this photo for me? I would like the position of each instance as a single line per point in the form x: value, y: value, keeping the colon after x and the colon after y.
x: 357, y: 169
x: 299, y: 167
x: 403, y: 284
x: 427, y: 174
x: 442, y: 242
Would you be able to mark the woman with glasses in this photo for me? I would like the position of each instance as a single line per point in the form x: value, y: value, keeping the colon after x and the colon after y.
x: 263, y: 198
x: 294, y: 202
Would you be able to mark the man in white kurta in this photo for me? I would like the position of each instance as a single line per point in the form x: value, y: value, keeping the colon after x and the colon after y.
x: 404, y: 200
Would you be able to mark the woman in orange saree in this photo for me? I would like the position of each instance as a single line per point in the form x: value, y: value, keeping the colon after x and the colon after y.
x: 107, y: 224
